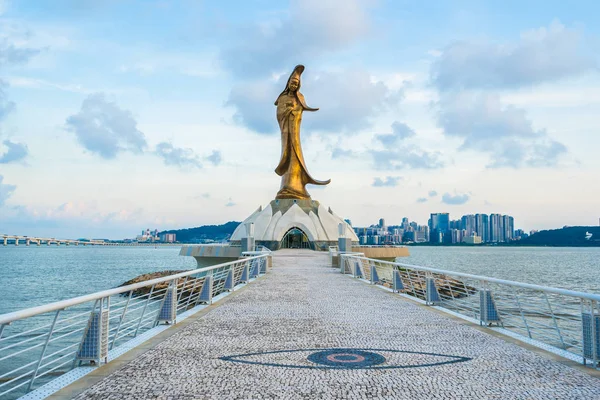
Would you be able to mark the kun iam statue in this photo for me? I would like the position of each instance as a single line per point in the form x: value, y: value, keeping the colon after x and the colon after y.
x: 292, y: 168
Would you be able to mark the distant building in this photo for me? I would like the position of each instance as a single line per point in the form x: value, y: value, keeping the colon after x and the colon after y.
x: 456, y: 236
x: 168, y: 237
x: 482, y: 227
x: 405, y: 224
x: 509, y: 227
x: 495, y: 227
x: 348, y: 222
x: 439, y: 225
x: 424, y: 231
x: 473, y: 239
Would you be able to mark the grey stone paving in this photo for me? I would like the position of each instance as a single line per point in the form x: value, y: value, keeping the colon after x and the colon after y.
x: 304, y: 306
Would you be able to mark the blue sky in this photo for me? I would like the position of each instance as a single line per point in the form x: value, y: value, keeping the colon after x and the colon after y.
x: 118, y: 116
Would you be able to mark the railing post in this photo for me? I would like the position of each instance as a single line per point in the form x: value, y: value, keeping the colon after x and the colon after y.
x: 357, y: 270
x: 263, y: 265
x: 246, y: 272
x: 488, y: 313
x: 374, y: 275
x: 206, y: 294
x: 168, y: 308
x: 94, y: 344
x: 37, y: 367
x: 591, y: 333
x: 229, y: 281
x: 397, y: 281
x: 432, y: 297
x: 255, y: 269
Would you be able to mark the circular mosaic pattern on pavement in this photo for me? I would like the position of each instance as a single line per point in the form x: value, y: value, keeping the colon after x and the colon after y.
x: 346, y: 358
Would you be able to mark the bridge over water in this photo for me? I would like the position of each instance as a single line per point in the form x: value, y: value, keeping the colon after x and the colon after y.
x: 304, y: 331
x: 38, y: 240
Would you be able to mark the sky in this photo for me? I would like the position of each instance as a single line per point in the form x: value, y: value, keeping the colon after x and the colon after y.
x: 117, y: 116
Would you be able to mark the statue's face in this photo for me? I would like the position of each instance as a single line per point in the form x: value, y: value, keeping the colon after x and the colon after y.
x: 294, y: 85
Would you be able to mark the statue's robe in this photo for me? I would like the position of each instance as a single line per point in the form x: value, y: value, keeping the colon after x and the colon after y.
x: 292, y: 167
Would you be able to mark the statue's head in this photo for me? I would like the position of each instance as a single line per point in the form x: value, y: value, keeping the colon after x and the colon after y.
x: 294, y: 84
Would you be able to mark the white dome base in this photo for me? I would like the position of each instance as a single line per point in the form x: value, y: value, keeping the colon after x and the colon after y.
x: 272, y: 223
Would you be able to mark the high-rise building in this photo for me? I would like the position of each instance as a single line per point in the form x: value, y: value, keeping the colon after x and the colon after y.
x: 405, y: 223
x: 381, y: 223
x: 439, y: 224
x: 494, y: 229
x: 456, y: 236
x: 168, y: 237
x: 508, y: 224
x: 455, y: 224
x: 482, y: 226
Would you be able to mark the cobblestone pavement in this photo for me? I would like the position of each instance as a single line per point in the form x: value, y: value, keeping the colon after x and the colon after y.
x: 256, y: 346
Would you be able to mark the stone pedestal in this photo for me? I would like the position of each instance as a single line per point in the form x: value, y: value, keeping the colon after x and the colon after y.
x: 271, y: 223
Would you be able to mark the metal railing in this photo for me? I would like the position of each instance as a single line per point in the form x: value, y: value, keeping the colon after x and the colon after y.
x: 333, y: 253
x: 562, y: 321
x: 262, y: 248
x: 40, y: 343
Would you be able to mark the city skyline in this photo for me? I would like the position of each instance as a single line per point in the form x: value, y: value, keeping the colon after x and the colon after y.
x: 440, y: 228
x: 115, y: 115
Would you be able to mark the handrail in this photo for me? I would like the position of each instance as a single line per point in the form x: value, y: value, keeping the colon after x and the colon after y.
x: 59, y: 305
x: 564, y: 292
x: 565, y: 322
x: 67, y: 333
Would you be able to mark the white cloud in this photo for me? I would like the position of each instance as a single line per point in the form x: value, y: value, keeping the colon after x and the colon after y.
x: 503, y: 131
x: 400, y: 131
x: 456, y: 199
x: 6, y: 106
x: 541, y: 55
x: 103, y: 128
x: 6, y: 191
x: 309, y: 29
x: 14, y: 152
x: 178, y: 156
x: 4, y: 5
x: 389, y: 181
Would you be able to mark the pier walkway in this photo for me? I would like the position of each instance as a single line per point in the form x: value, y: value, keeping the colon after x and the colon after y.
x: 305, y: 331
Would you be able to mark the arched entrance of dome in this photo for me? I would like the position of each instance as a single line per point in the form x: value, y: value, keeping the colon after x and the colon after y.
x: 295, y: 238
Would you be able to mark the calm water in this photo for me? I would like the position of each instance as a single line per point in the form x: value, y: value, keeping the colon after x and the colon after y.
x: 31, y: 276
x: 563, y: 267
x: 37, y: 275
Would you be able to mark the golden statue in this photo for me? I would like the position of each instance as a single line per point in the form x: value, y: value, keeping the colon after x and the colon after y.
x: 292, y: 168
